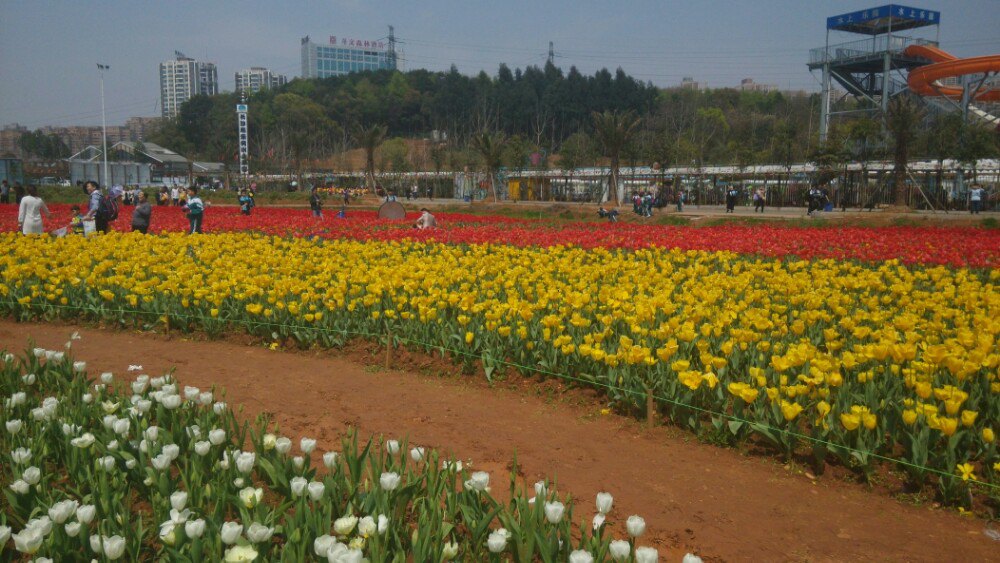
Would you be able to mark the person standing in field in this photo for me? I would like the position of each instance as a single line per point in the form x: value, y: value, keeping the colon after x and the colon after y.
x: 4, y: 192
x: 94, y: 206
x: 316, y: 203
x: 142, y: 214
x: 975, y: 199
x: 758, y: 200
x: 29, y: 213
x: 195, y: 209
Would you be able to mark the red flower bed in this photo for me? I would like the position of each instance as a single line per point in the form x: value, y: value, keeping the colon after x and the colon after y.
x: 972, y: 247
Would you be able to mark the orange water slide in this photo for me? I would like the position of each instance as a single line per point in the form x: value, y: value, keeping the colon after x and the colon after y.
x: 923, y: 80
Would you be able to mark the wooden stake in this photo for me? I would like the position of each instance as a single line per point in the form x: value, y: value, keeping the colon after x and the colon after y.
x: 388, y: 351
x: 650, y: 408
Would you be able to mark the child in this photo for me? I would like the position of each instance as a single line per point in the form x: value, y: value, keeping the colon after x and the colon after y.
x: 195, y: 209
x: 246, y: 202
x: 76, y: 223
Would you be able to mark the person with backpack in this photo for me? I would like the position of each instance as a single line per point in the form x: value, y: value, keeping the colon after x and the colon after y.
x: 195, y: 209
x: 316, y: 203
x: 101, y: 209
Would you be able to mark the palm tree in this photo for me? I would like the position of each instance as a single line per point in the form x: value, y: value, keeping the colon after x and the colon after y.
x: 490, y: 146
x: 902, y: 120
x: 369, y: 138
x: 613, y: 130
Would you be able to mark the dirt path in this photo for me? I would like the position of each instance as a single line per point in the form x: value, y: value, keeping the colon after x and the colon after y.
x: 709, y: 500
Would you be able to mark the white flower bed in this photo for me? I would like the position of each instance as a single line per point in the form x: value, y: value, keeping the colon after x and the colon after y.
x: 149, y: 469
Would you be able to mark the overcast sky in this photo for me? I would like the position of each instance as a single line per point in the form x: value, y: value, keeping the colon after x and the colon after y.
x: 49, y: 49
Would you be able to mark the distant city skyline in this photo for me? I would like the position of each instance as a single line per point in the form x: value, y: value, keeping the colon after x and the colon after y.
x: 49, y: 49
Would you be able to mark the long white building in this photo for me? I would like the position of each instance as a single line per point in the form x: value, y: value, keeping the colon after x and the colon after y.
x: 183, y: 78
x: 257, y: 78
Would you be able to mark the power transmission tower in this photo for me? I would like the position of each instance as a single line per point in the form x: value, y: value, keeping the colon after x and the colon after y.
x: 552, y: 54
x: 392, y: 48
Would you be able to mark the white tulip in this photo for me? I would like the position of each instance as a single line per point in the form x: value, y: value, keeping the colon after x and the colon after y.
x: 122, y: 426
x: 113, y: 446
x: 21, y: 455
x: 168, y: 534
x: 345, y: 525
x: 178, y: 499
x: 367, y: 527
x: 107, y: 463
x: 114, y: 547
x: 497, y: 541
x: 32, y: 475
x: 193, y: 431
x: 143, y: 446
x: 28, y: 541
x: 191, y: 393
x: 449, y: 551
x: 541, y: 490
x: 179, y: 516
x: 62, y: 510
x: 650, y: 555
x: 79, y: 367
x: 28, y: 379
x: 131, y: 463
x: 330, y: 460
x: 231, y: 532
x: 4, y: 536
x: 86, y: 513
x: 202, y: 448
x: 216, y: 436
x: 259, y: 533
x: 389, y: 481
x: 72, y: 529
x: 449, y: 465
x: 239, y: 482
x: 240, y: 554
x: 282, y: 445
x: 604, y: 502
x: 160, y: 462
x: 169, y: 389
x: 392, y: 446
x: 598, y: 521
x: 87, y: 398
x: 95, y: 544
x: 38, y: 352
x: 299, y: 462
x: 139, y: 387
x: 417, y: 454
x: 143, y: 406
x: 14, y: 426
x: 109, y: 421
x: 322, y: 544
x: 172, y: 451
x: 171, y: 402
x: 39, y: 414
x: 479, y: 481
x: 307, y: 445
x: 42, y: 524
x: 107, y: 377
x: 383, y: 523
x: 688, y: 558
x: 9, y: 358
x: 219, y: 408
x: 316, y: 489
x: 206, y: 398
x: 298, y: 485
x: 620, y: 550
x: 554, y: 512
x: 152, y: 433
x: 194, y: 528
x: 20, y: 487
x: 244, y: 461
x: 580, y: 556
x: 57, y: 357
x: 635, y: 525
x: 251, y: 496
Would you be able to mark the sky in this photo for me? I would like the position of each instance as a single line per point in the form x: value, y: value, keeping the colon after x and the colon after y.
x: 49, y: 49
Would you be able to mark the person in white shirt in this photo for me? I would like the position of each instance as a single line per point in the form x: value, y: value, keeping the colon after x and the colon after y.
x: 976, y: 199
x: 175, y: 195
x: 426, y: 220
x: 29, y: 214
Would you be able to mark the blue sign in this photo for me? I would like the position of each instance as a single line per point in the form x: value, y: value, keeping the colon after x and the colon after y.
x: 241, y: 107
x: 864, y: 18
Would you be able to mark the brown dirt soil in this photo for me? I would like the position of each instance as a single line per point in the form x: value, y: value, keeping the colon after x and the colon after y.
x: 708, y: 500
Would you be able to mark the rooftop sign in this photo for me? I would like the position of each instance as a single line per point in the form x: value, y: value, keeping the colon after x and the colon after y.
x: 876, y: 21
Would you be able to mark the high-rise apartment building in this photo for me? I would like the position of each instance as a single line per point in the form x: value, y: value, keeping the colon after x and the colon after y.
x: 182, y: 78
x: 343, y: 55
x: 256, y: 78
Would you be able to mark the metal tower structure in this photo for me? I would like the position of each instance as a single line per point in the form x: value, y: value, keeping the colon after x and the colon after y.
x: 872, y: 69
x: 392, y: 49
x: 244, y: 145
x: 552, y: 54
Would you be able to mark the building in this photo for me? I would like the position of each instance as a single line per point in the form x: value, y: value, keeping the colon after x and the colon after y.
x: 342, y: 55
x: 689, y: 83
x: 256, y: 78
x: 748, y: 85
x: 183, y: 78
x: 10, y: 138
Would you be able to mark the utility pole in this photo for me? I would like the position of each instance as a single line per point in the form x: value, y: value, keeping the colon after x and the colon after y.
x: 104, y: 124
x: 392, y: 49
x: 552, y: 54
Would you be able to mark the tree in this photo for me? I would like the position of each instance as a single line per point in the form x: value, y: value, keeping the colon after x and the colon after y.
x: 304, y: 124
x: 369, y: 138
x: 863, y: 138
x: 613, y: 131
x: 490, y: 146
x: 902, y: 121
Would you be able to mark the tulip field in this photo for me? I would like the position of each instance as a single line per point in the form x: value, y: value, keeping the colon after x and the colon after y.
x: 865, y: 348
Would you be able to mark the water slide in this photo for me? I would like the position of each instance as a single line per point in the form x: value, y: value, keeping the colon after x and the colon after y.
x: 924, y: 80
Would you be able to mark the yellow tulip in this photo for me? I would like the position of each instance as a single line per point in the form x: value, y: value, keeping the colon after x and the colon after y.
x: 969, y: 418
x: 850, y: 421
x: 988, y: 435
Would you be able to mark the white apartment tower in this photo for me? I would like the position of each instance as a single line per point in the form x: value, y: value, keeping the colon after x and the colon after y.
x: 256, y: 78
x: 182, y: 78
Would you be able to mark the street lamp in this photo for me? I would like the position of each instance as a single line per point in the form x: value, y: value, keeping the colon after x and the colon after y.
x: 104, y: 123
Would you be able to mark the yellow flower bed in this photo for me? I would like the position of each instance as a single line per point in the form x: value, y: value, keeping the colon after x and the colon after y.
x: 826, y: 357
